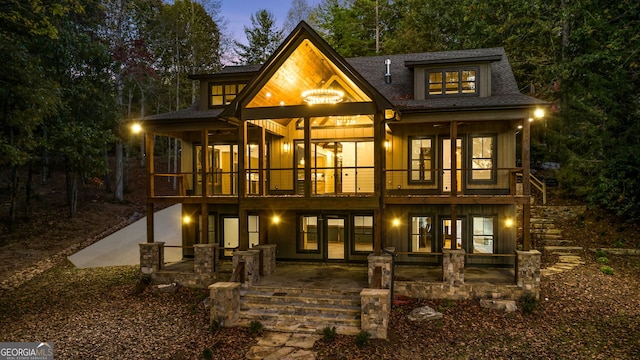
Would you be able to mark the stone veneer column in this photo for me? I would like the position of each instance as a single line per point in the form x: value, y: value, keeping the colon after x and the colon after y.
x: 528, y: 271
x: 251, y: 260
x: 382, y: 261
x: 205, y: 260
x: 225, y: 303
x: 151, y: 257
x: 267, y: 258
x: 453, y: 266
x: 376, y: 305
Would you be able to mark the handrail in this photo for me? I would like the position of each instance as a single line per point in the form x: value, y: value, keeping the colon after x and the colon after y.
x: 540, y: 185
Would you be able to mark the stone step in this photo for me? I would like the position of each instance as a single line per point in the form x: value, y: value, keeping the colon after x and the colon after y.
x: 306, y: 291
x: 287, y: 326
x: 563, y: 250
x: 548, y: 236
x: 546, y: 231
x: 272, y: 298
x: 556, y: 242
x: 294, y: 308
x: 300, y: 321
x: 540, y: 220
x: 543, y: 226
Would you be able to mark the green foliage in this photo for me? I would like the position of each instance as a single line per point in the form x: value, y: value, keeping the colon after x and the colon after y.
x: 529, y: 303
x: 607, y: 269
x: 600, y: 253
x: 215, y: 326
x: 255, y: 327
x: 207, y: 354
x: 618, y: 243
x: 263, y: 37
x: 362, y: 338
x: 602, y: 260
x: 329, y: 333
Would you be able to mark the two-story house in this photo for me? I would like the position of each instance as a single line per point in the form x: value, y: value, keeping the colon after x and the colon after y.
x: 334, y: 159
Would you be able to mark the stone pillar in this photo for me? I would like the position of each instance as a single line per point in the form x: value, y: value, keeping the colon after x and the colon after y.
x: 380, y: 261
x: 151, y: 257
x: 267, y: 258
x: 528, y: 271
x: 251, y: 260
x: 205, y: 261
x: 225, y: 303
x: 376, y: 306
x: 453, y: 266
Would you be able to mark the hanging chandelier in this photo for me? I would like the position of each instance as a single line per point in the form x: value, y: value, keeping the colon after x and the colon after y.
x: 322, y: 96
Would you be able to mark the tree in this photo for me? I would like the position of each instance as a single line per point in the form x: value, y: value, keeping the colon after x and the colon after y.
x: 263, y: 37
x: 299, y: 11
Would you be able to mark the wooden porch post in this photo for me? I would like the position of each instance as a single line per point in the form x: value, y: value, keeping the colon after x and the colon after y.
x: 149, y: 145
x: 307, y: 157
x: 526, y: 184
x: 379, y: 182
x: 204, y: 209
x: 243, y: 235
x: 454, y: 183
x: 262, y: 158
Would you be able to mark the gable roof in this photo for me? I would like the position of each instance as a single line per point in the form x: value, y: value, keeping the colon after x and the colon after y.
x: 504, y: 88
x: 301, y: 33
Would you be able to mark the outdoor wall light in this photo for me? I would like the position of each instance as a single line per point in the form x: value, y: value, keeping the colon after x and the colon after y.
x: 186, y: 219
x: 508, y: 222
x: 286, y: 147
x: 538, y: 113
x: 387, y: 144
x: 136, y: 128
x: 396, y: 222
x: 275, y: 219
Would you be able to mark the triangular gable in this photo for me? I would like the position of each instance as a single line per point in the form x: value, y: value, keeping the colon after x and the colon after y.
x: 303, y: 62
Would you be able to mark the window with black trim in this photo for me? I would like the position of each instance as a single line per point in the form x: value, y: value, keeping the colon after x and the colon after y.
x: 452, y: 82
x: 223, y: 94
x: 308, y: 235
x: 483, y: 234
x: 421, y: 159
x: 422, y: 233
x: 483, y: 158
x: 363, y: 233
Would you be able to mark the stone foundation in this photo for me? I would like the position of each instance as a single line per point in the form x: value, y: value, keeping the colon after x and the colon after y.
x: 528, y: 271
x: 438, y: 290
x: 151, y: 257
x: 205, y: 260
x: 380, y: 261
x: 453, y: 266
x: 376, y: 305
x: 267, y: 259
x: 225, y: 303
x: 251, y: 260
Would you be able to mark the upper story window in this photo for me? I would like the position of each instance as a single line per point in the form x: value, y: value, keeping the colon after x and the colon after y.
x: 483, y: 158
x: 452, y: 82
x: 223, y: 94
x: 421, y: 159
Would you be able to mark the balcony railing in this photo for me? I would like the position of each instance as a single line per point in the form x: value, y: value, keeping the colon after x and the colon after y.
x: 344, y: 181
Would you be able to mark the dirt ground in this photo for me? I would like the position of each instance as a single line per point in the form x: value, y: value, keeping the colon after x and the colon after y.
x: 111, y: 313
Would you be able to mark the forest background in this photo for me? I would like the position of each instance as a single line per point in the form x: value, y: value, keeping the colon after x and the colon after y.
x: 75, y: 72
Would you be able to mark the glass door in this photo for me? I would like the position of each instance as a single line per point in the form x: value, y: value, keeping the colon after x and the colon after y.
x: 446, y: 235
x: 447, y: 182
x: 334, y: 238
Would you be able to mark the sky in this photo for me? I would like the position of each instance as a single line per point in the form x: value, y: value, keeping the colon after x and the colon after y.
x: 238, y: 13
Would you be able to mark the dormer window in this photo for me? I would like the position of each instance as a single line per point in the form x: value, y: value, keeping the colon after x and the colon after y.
x: 223, y: 94
x: 452, y: 82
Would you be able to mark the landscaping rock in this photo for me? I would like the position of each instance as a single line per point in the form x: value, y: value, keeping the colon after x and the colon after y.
x: 166, y: 288
x: 424, y: 313
x: 505, y: 305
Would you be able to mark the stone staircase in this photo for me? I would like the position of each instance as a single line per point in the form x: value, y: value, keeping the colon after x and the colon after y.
x: 301, y: 310
x: 548, y: 237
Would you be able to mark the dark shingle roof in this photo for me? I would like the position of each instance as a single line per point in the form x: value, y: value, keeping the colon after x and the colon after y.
x: 504, y: 89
